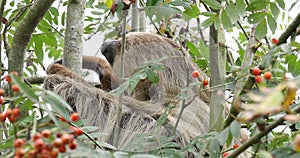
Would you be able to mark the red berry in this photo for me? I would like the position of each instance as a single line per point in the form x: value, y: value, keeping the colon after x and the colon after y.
x: 15, y: 88
x: 39, y: 144
x: 8, y: 112
x: 45, y: 153
x: 255, y: 71
x: 204, y: 82
x: 7, y: 78
x: 2, y: 92
x: 66, y: 138
x: 2, y: 117
x: 225, y: 154
x: 275, y: 41
x: 54, y: 154
x: 57, y: 142
x: 78, y: 131
x: 267, y: 75
x: 46, y: 133
x: 16, y: 112
x: 62, y: 119
x: 31, y: 154
x: 20, y: 152
x: 36, y: 136
x: 74, y: 117
x: 18, y: 143
x: 195, y: 74
x: 72, y: 145
x: 1, y: 100
x: 62, y: 149
x: 12, y: 118
x: 235, y: 146
x: 258, y: 79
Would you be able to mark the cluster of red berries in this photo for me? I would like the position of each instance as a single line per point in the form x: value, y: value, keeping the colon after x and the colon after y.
x: 10, y: 114
x: 196, y: 74
x: 44, y: 147
x: 14, y: 88
x: 258, y: 78
x: 227, y: 152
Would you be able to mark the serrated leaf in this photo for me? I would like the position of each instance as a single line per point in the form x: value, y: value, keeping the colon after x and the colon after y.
x: 256, y: 5
x: 225, y: 20
x: 235, y: 128
x: 214, y: 4
x: 241, y: 7
x: 271, y: 23
x: 193, y: 50
x: 57, y: 103
x: 25, y: 88
x: 261, y: 30
x: 256, y: 17
x: 274, y: 9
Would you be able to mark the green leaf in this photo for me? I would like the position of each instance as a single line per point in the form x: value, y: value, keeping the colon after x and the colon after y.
x: 193, y: 12
x: 256, y: 5
x: 225, y: 20
x: 275, y: 10
x: 89, y: 4
x: 241, y: 7
x: 25, y: 88
x: 204, y: 50
x: 214, y: 4
x: 261, y: 30
x: 223, y: 135
x: 183, y: 4
x: 208, y: 22
x: 193, y: 50
x: 151, y: 75
x: 235, y: 128
x: 214, y: 148
x: 57, y: 103
x: 120, y: 89
x: 232, y: 11
x: 271, y: 23
x: 256, y: 17
x: 209, y: 14
x: 281, y: 4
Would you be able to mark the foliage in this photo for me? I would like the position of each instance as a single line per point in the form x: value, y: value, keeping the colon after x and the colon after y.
x: 266, y: 105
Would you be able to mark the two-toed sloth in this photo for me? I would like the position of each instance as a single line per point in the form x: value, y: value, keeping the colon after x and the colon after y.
x: 147, y: 103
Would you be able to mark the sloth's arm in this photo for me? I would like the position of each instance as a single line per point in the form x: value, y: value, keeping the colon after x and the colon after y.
x: 109, y: 80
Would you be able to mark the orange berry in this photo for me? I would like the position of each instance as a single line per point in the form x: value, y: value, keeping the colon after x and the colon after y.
x: 72, y: 145
x: 7, y: 78
x: 2, y: 92
x: 66, y: 138
x: 39, y: 144
x: 267, y: 75
x: 78, y: 131
x: 16, y: 112
x: 15, y: 88
x: 2, y: 117
x: 20, y: 152
x: 275, y: 41
x: 258, y: 79
x: 74, y: 117
x: 62, y: 119
x: 195, y: 74
x: 54, y: 154
x: 235, y: 146
x: 204, y: 82
x: 8, y: 112
x: 57, y: 142
x: 255, y: 71
x: 12, y: 118
x: 37, y: 136
x: 45, y: 153
x: 225, y: 154
x: 18, y: 143
x: 46, y: 133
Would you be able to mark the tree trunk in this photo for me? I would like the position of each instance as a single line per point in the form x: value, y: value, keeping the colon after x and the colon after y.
x: 74, y: 35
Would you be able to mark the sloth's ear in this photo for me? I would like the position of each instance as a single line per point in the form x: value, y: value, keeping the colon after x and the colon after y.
x: 110, y: 49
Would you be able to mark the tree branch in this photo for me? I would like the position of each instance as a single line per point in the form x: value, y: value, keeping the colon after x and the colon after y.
x: 23, y: 34
x: 258, y: 136
x: 290, y: 30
